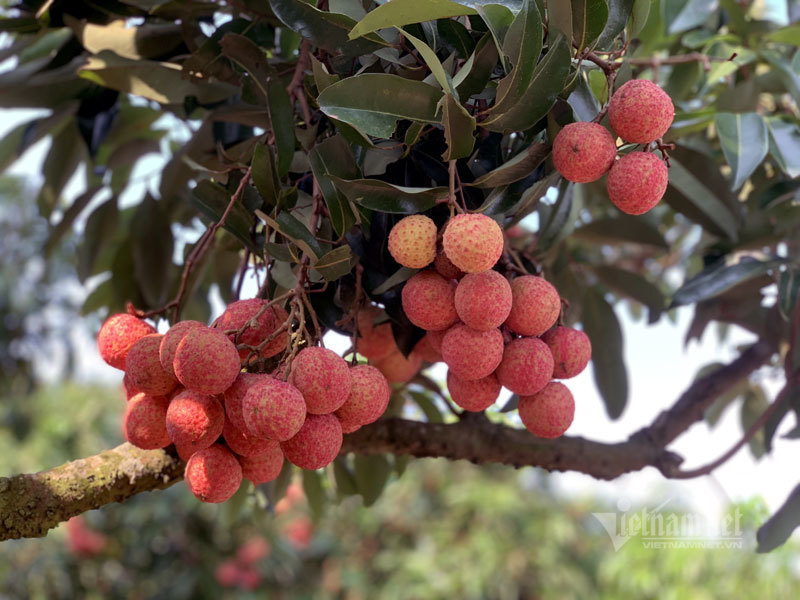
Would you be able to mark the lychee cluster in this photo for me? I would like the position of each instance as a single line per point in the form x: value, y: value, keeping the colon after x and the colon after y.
x: 491, y: 332
x: 187, y: 388
x: 639, y: 112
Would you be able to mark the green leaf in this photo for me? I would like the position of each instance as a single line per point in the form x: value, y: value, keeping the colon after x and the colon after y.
x: 791, y: 79
x: 147, y: 41
x: 315, y: 493
x: 588, y: 20
x: 22, y: 137
x: 373, y: 102
x: 402, y: 274
x: 345, y: 478
x: 498, y: 19
x: 621, y: 229
x: 101, y: 227
x: 693, y: 13
x: 292, y: 229
x: 334, y: 157
x: 633, y: 286
x: 281, y: 115
x: 456, y: 36
x: 65, y: 154
x: 404, y: 12
x: 321, y: 76
x: 475, y: 73
x: 610, y: 375
x: 512, y: 404
x: 784, y: 144
x: 719, y: 278
x: 743, y: 137
x: 786, y: 35
x: 212, y: 199
x: 560, y: 17
x: 152, y: 245
x: 548, y: 81
x: 433, y: 62
x: 388, y: 198
x: 639, y: 16
x: 371, y: 474
x: 335, y: 264
x: 519, y: 167
x: 788, y: 292
x: 428, y: 407
x: 459, y: 129
x: 754, y: 404
x: 619, y: 11
x: 68, y: 218
x: 265, y: 176
x: 777, y: 529
x: 561, y: 218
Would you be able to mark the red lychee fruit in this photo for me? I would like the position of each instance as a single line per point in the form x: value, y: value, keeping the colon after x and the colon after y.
x: 273, y: 409
x: 483, y: 300
x: 446, y: 268
x: 571, y: 350
x: 368, y: 399
x: 299, y: 532
x: 145, y: 422
x: 374, y: 341
x: 253, y: 550
x: 526, y: 367
x: 583, y: 152
x: 170, y: 341
x: 234, y: 397
x: 640, y: 111
x: 473, y: 242
x: 323, y: 377
x: 227, y: 573
x: 637, y: 182
x: 130, y: 389
x: 194, y: 420
x: 428, y: 301
x: 535, y: 305
x: 117, y: 335
x: 144, y: 369
x: 435, y: 339
x: 412, y: 241
x: 472, y: 354
x: 475, y: 395
x: 397, y: 368
x: 263, y: 467
x: 206, y: 361
x: 548, y: 413
x: 245, y: 443
x: 317, y: 443
x: 240, y: 312
x: 428, y: 353
x: 82, y: 541
x: 213, y: 474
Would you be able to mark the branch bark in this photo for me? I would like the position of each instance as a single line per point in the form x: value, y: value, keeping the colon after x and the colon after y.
x: 32, y: 504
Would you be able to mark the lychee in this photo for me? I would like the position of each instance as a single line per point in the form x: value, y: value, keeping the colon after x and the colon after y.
x: 412, y: 241
x: 472, y: 354
x: 170, y: 341
x: 428, y: 301
x: 473, y: 242
x: 428, y: 353
x: 144, y: 369
x: 475, y: 395
x: 527, y: 366
x: 213, y: 474
x: 323, y: 377
x: 130, y: 389
x: 583, y: 152
x: 483, y: 300
x: 640, y: 111
x: 548, y: 413
x: 273, y: 409
x: 263, y: 467
x: 145, y: 422
x: 206, y: 361
x: 535, y: 305
x: 374, y: 341
x: 445, y: 267
x: 194, y: 420
x: 571, y: 350
x: 234, y: 397
x: 435, y: 339
x: 240, y: 312
x: 368, y: 399
x: 317, y: 443
x: 397, y: 368
x: 637, y: 182
x: 117, y: 335
x: 245, y: 443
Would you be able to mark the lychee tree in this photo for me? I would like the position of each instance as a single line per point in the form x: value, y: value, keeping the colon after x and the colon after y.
x: 464, y: 182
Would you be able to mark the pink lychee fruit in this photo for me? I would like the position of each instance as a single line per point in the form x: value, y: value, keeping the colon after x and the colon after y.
x: 473, y: 242
x: 435, y: 339
x: 323, y: 377
x: 472, y: 354
x: 145, y: 422
x: 130, y: 389
x: 317, y: 443
x: 253, y: 550
x: 398, y: 368
x: 144, y: 369
x: 583, y: 152
x: 526, y: 367
x: 637, y: 182
x: 428, y: 353
x: 445, y: 267
x: 368, y: 399
x: 170, y: 341
x: 194, y: 420
x: 233, y: 398
x: 206, y: 361
x: 245, y: 443
x: 483, y: 300
x: 273, y: 409
x: 428, y: 301
x: 640, y: 111
x: 263, y: 467
x: 549, y: 412
x: 270, y: 320
x: 571, y: 350
x: 117, y: 335
x: 412, y: 241
x: 475, y: 395
x: 374, y: 341
x: 535, y: 305
x: 213, y: 474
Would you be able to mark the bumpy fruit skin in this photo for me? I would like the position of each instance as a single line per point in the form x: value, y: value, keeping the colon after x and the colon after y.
x: 368, y: 399
x: 145, y: 422
x: 323, y: 377
x: 170, y: 341
x: 117, y: 335
x: 194, y: 420
x: 397, y: 368
x: 428, y: 301
x: 273, y: 409
x: 143, y: 366
x: 549, y: 413
x: 316, y: 444
x: 475, y: 395
x: 473, y: 242
x: 571, y: 350
x: 472, y: 354
x: 206, y: 361
x: 445, y: 267
x: 583, y: 152
x: 412, y: 241
x: 263, y: 467
x: 374, y: 341
x: 245, y: 443
x: 428, y: 353
x: 233, y: 398
x: 240, y: 312
x: 640, y: 111
x: 535, y: 305
x: 527, y: 366
x: 435, y: 339
x: 637, y: 182
x: 213, y: 474
x: 130, y: 389
x: 483, y: 300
